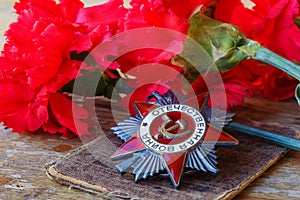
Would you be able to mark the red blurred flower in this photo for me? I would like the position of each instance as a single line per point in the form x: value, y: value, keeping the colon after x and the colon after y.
x: 102, y: 23
x: 271, y: 23
x: 169, y: 14
x: 35, y: 64
x: 131, y: 52
x: 226, y: 89
x: 172, y: 14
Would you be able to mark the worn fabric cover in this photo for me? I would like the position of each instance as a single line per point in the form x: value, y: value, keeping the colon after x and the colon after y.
x: 90, y: 168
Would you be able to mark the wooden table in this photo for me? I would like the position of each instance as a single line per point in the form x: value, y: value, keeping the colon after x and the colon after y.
x: 22, y: 160
x: 22, y: 173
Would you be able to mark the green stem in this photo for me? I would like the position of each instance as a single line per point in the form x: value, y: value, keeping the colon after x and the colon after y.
x: 267, y: 56
x: 285, y: 141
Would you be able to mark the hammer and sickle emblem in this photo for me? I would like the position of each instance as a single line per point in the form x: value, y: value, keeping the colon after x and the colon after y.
x: 167, y: 132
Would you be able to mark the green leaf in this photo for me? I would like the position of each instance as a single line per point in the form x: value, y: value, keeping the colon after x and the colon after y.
x: 297, y: 93
x: 226, y: 46
x: 297, y: 21
x: 93, y: 83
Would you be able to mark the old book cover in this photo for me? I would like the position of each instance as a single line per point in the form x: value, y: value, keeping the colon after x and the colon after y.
x: 90, y: 168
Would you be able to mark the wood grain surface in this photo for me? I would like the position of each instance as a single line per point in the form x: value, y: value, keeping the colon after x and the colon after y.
x: 22, y: 160
x: 22, y: 157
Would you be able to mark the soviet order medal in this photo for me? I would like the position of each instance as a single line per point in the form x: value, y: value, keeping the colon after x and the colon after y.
x: 169, y: 137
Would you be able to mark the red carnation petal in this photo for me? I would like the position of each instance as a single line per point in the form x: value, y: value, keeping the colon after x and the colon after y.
x: 102, y: 14
x: 69, y: 114
x: 18, y: 109
x: 278, y: 81
x: 68, y: 71
x: 70, y: 8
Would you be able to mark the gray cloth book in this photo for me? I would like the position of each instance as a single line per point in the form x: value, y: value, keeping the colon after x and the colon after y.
x: 90, y: 168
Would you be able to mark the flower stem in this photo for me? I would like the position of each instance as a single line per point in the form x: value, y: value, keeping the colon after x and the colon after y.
x: 267, y: 56
x: 284, y: 141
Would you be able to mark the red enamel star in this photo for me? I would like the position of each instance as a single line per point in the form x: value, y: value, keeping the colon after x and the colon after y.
x: 169, y: 138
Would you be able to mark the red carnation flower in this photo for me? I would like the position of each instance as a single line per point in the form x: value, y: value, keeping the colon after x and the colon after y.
x: 35, y: 64
x: 226, y: 89
x: 36, y: 60
x: 272, y: 24
x: 168, y: 14
x: 103, y: 23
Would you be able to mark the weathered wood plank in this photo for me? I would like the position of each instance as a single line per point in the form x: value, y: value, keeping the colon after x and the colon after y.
x: 22, y: 158
x: 281, y: 181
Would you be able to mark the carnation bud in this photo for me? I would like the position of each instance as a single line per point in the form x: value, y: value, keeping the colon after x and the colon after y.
x: 214, y: 45
x: 224, y: 43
